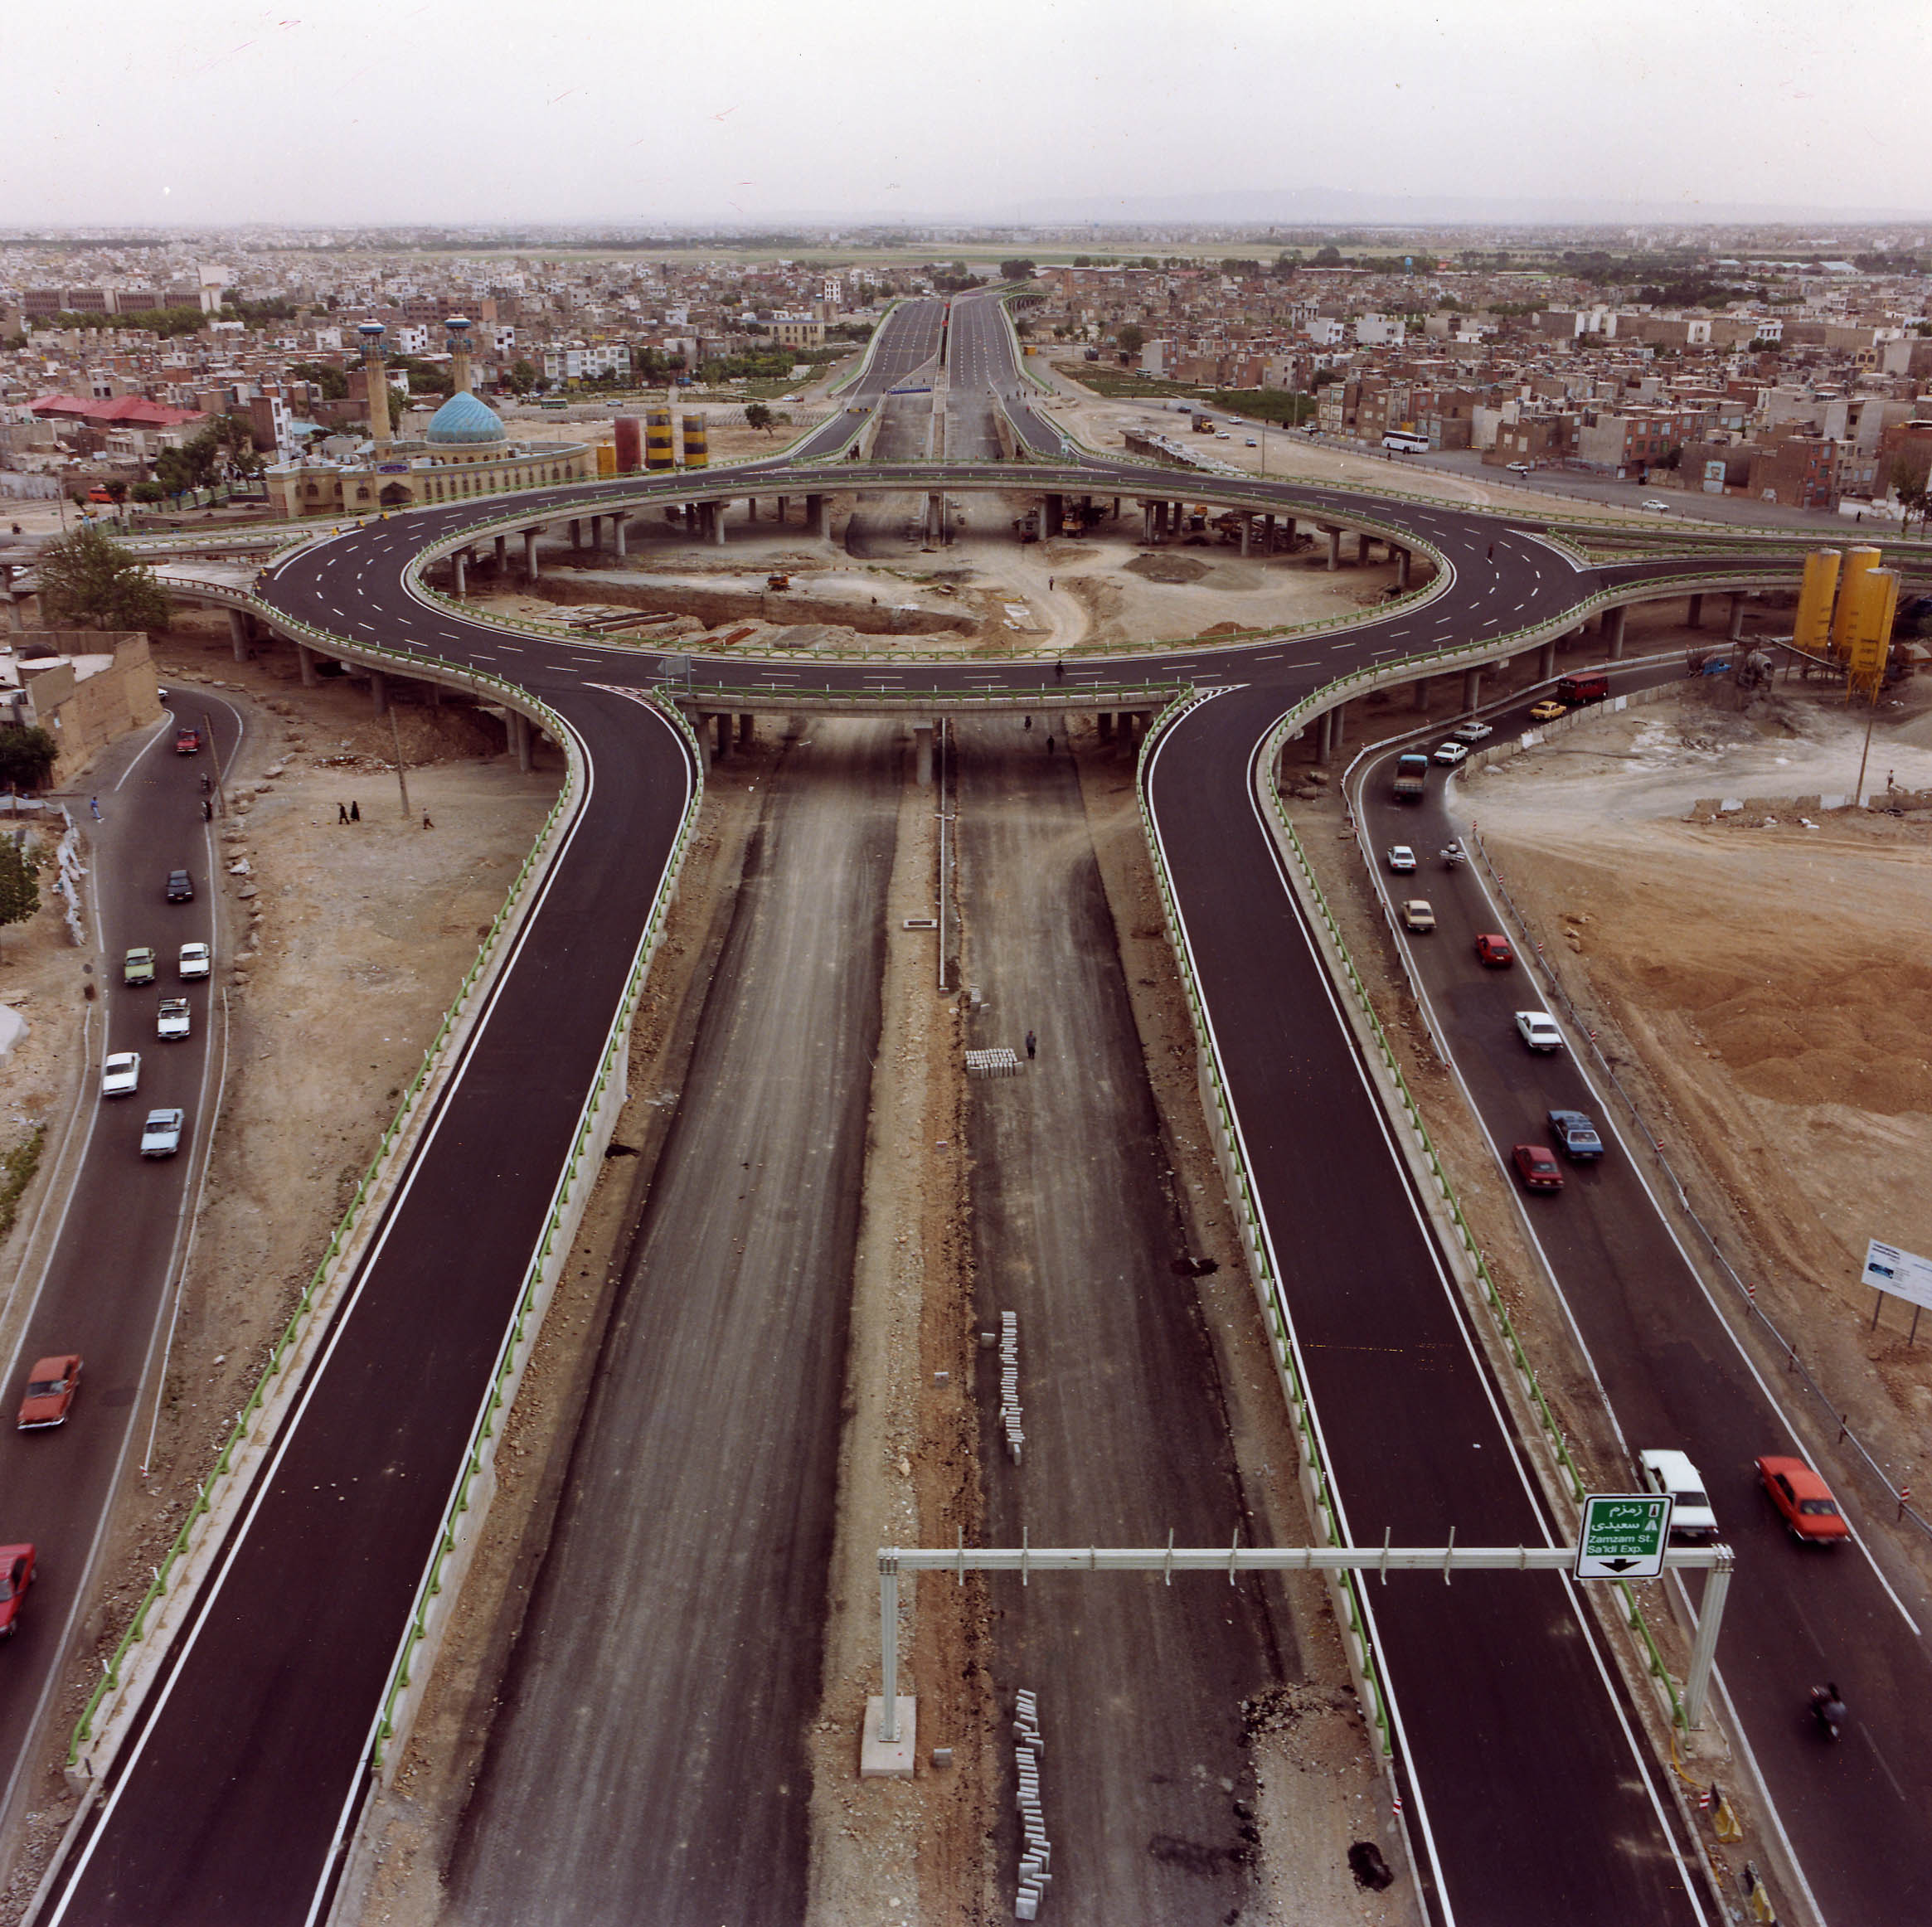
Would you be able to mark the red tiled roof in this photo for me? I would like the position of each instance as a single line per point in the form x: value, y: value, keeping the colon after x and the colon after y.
x: 123, y: 410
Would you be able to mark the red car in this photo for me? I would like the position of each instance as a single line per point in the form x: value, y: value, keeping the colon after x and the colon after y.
x: 15, y: 1576
x: 187, y: 742
x: 1804, y: 1502
x: 1494, y: 950
x: 1536, y: 1165
x: 51, y: 1388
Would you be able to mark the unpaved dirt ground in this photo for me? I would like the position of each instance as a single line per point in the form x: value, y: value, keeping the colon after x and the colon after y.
x: 337, y: 970
x: 1769, y: 981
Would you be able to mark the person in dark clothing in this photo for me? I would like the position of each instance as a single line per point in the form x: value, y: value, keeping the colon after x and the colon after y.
x: 355, y: 811
x: 1032, y: 1044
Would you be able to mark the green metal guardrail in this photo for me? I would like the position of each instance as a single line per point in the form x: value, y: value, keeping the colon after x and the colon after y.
x: 1241, y: 1197
x: 345, y: 1229
x: 521, y: 1333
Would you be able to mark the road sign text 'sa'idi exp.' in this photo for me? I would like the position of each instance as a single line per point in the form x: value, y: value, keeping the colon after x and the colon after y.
x: 1623, y: 1537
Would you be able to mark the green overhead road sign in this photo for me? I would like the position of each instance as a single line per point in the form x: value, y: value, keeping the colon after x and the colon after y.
x: 1623, y: 1535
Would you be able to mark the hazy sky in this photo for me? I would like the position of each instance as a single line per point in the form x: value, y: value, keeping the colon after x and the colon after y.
x: 163, y: 111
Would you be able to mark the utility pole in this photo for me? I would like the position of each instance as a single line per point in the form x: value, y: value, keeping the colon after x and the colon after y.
x: 401, y: 780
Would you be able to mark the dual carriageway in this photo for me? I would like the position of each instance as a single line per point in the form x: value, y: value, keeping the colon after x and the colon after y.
x: 1530, y: 1792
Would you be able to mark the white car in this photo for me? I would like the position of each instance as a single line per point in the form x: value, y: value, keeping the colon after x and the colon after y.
x: 1252, y: 443
x: 1690, y: 1516
x: 161, y: 1135
x: 1519, y: 467
x: 1401, y: 859
x: 1654, y: 505
x: 1451, y: 753
x: 1538, y: 1029
x: 1471, y: 732
x: 1418, y: 915
x: 120, y: 1073
x: 171, y: 1020
x: 197, y: 960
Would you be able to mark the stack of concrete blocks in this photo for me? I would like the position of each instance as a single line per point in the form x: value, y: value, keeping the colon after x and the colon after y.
x: 1035, y: 1850
x: 1002, y: 1062
x: 1009, y: 1383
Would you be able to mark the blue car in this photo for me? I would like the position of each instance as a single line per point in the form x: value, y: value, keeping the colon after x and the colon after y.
x: 1576, y: 1135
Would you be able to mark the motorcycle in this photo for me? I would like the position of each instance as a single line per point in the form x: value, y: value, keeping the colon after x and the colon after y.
x: 1454, y: 855
x: 1828, y: 1710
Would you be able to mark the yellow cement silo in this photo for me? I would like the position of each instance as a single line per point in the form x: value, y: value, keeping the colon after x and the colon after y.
x: 1858, y: 562
x: 1875, y: 607
x: 1811, y: 631
x: 697, y: 442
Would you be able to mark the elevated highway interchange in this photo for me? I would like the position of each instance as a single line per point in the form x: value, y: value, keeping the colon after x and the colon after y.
x: 1529, y: 1794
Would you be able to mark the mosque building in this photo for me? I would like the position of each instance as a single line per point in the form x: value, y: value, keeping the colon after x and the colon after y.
x: 466, y: 451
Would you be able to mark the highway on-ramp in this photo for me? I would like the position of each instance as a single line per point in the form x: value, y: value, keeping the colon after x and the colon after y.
x: 1530, y: 1797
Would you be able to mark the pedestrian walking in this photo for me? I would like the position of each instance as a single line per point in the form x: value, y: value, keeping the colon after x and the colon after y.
x: 1050, y: 745
x: 1028, y: 723
x: 1060, y: 671
x: 342, y: 812
x: 94, y: 805
x: 1492, y: 551
x: 427, y: 824
x: 1032, y: 1044
x: 355, y: 811
x: 1049, y: 584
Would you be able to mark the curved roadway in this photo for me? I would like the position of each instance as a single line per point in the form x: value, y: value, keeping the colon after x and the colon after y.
x: 1528, y: 1796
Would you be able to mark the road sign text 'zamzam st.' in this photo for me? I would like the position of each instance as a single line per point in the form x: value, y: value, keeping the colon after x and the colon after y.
x: 1623, y: 1537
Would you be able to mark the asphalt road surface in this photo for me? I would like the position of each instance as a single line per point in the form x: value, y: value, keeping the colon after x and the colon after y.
x: 1508, y: 1728
x: 99, y: 1278
x: 649, y: 1763
x: 1075, y: 1228
x: 1675, y: 1376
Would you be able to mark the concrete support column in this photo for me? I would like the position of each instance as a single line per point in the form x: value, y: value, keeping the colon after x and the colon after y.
x: 1334, y: 536
x: 1545, y: 661
x: 922, y: 737
x: 460, y: 569
x: 745, y: 722
x: 596, y: 531
x: 1268, y: 535
x: 1364, y: 544
x: 619, y: 523
x: 1471, y: 688
x: 435, y: 690
x: 1105, y: 720
x: 502, y: 553
x: 1421, y: 693
x: 1247, y: 529
x: 379, y: 691
x: 751, y: 509
x: 1736, y: 630
x: 1614, y: 622
x: 530, y: 554
x: 1324, y: 735
x: 576, y: 533
x: 1117, y: 508
x: 1053, y: 515
x: 1695, y: 619
x: 305, y: 661
x: 935, y: 516
x: 1147, y: 522
x: 721, y: 735
x: 816, y: 516
x: 1340, y: 712
x: 1404, y: 558
x: 782, y: 502
x: 238, y: 634
x: 717, y: 515
x: 15, y: 617
x: 520, y: 738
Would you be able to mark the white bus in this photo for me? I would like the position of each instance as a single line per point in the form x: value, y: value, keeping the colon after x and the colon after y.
x: 1405, y: 443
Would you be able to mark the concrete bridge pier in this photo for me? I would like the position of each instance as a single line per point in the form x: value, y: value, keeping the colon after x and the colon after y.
x: 238, y: 634
x: 530, y: 554
x: 1472, y: 688
x: 716, y: 511
x: 619, y: 523
x: 746, y: 721
x: 520, y: 738
x: 922, y: 737
x: 782, y: 503
x: 1052, y: 516
x: 1614, y: 628
x: 1421, y: 693
x: 1547, y: 661
x: 596, y: 533
x: 305, y: 663
x: 816, y: 516
x: 576, y: 532
x: 935, y: 517
x: 1334, y: 536
x: 502, y: 555
x: 458, y: 569
x: 379, y: 692
x: 1736, y: 630
x: 1247, y: 529
x: 1147, y: 523
x: 1104, y: 722
x: 721, y: 735
x: 1404, y: 558
x: 1324, y: 735
x: 1364, y: 548
x: 1695, y: 618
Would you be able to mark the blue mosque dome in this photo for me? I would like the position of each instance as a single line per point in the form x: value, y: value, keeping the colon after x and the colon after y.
x: 463, y: 418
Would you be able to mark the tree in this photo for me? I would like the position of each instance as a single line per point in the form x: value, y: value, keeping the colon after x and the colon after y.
x: 27, y: 756
x: 521, y: 377
x: 1910, y: 478
x: 1017, y: 270
x: 333, y: 382
x: 19, y: 895
x: 89, y: 578
x: 1132, y: 338
x: 758, y: 416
